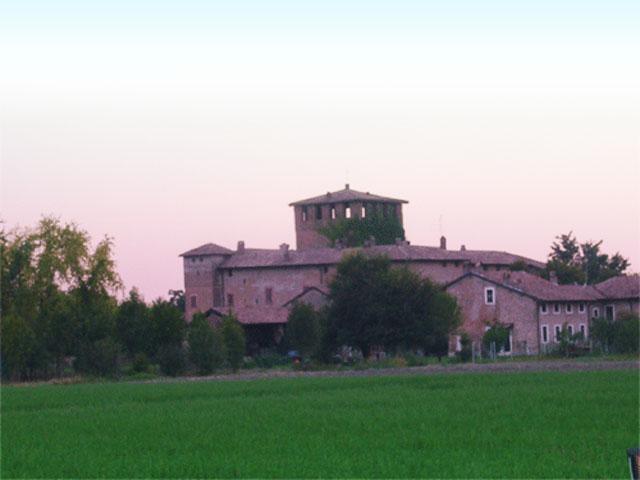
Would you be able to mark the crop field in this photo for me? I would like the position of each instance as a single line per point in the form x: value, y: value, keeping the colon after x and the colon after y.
x: 547, y: 424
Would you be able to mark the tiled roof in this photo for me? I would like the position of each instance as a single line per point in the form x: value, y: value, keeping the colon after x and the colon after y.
x: 491, y: 257
x: 262, y: 258
x: 346, y: 195
x: 207, y: 249
x: 539, y: 288
x: 620, y: 287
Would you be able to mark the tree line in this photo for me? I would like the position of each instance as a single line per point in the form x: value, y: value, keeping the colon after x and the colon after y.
x: 59, y: 302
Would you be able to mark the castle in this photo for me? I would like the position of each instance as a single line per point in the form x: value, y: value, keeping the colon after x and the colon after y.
x: 260, y: 285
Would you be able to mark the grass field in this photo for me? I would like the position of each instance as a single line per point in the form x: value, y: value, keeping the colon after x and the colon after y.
x: 549, y: 424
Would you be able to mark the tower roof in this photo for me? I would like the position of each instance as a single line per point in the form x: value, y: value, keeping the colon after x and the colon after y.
x: 346, y: 195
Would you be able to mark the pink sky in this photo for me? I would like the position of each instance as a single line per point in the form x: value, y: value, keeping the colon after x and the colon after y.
x: 168, y: 141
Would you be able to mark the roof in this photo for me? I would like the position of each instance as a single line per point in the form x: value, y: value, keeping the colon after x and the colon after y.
x: 346, y: 195
x: 537, y: 287
x: 306, y: 292
x: 207, y: 249
x: 263, y: 258
x: 620, y: 287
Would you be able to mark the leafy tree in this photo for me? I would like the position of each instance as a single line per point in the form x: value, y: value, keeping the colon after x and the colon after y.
x: 497, y: 334
x: 99, y: 357
x: 234, y: 341
x: 206, y: 346
x: 134, y: 326
x: 373, y: 304
x: 353, y: 232
x: 176, y: 297
x: 171, y: 358
x: 303, y: 329
x: 617, y: 336
x: 580, y: 263
x: 168, y: 325
x: 18, y: 347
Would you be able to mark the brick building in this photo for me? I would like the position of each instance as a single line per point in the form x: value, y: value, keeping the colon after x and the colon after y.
x: 260, y: 285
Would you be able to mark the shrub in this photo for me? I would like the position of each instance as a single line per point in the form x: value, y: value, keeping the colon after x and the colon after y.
x: 141, y: 363
x: 464, y: 355
x: 498, y: 334
x: 303, y: 329
x: 99, y: 357
x: 626, y: 335
x: 234, y: 341
x: 206, y: 347
x: 171, y: 359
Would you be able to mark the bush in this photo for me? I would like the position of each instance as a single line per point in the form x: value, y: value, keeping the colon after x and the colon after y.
x: 270, y: 360
x: 619, y: 336
x: 99, y: 357
x: 206, y: 347
x: 626, y: 336
x: 141, y: 363
x: 234, y: 341
x: 303, y: 329
x: 171, y: 359
x: 498, y: 334
x: 465, y: 353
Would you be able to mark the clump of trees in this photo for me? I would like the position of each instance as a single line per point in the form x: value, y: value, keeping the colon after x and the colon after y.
x: 354, y: 232
x: 374, y: 305
x: 60, y: 312
x: 617, y: 336
x: 580, y: 263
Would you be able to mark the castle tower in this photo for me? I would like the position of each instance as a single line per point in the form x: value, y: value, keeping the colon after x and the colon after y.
x: 203, y: 284
x: 314, y: 213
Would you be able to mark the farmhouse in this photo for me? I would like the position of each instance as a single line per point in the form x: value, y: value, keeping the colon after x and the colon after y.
x: 260, y: 285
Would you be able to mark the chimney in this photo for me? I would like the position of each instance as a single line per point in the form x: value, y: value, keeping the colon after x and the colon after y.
x: 553, y: 277
x: 284, y: 250
x: 240, y: 248
x: 346, y: 187
x: 463, y: 248
x: 443, y: 242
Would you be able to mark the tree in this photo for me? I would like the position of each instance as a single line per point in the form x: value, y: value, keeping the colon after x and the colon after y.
x: 206, y: 346
x: 497, y: 334
x: 354, y: 232
x: 234, y: 341
x: 303, y: 329
x: 167, y: 326
x: 176, y: 297
x: 579, y: 263
x: 134, y: 326
x: 54, y: 282
x: 617, y: 336
x: 373, y: 304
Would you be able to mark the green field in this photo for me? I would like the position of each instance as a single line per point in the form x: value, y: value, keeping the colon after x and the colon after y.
x: 576, y: 424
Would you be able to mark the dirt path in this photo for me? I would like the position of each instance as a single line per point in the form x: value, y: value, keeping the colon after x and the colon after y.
x: 518, y: 366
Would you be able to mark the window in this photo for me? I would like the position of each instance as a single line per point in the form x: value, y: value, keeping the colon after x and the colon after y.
x: 490, y: 296
x: 269, y: 296
x: 305, y: 215
x: 545, y: 334
x: 230, y: 300
x: 556, y: 308
x: 543, y: 309
x: 570, y: 328
x: 583, y: 331
x: 230, y: 272
x: 557, y: 329
x: 569, y: 308
x: 363, y: 212
x: 194, y: 301
x: 609, y: 312
x: 318, y: 212
x: 193, y: 259
x: 333, y: 212
x: 347, y: 210
x: 595, y: 312
x: 582, y: 307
